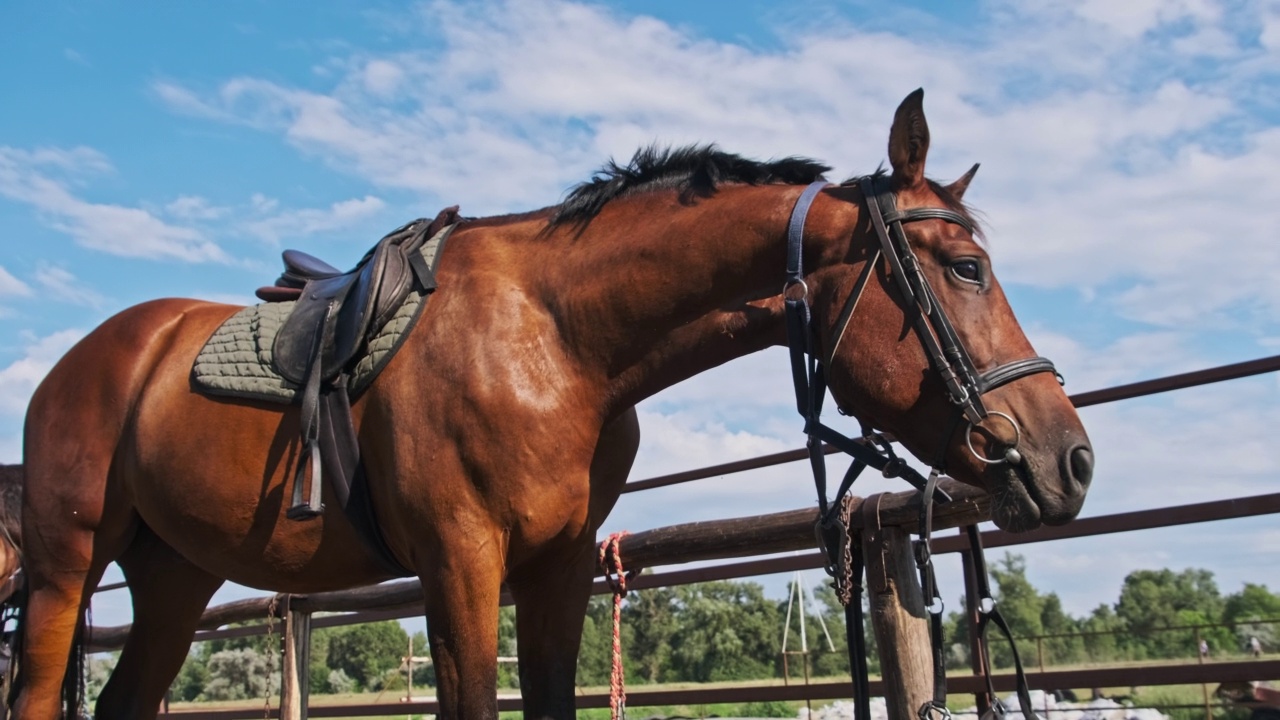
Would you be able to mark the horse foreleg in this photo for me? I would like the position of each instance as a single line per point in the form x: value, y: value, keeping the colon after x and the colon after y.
x: 551, y: 600
x: 462, y: 583
x: 551, y: 594
x: 169, y: 596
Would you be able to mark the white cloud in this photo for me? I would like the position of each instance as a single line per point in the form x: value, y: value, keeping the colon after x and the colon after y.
x: 76, y: 57
x: 295, y: 223
x: 1135, y: 17
x: 10, y: 285
x: 25, y: 176
x: 65, y: 287
x: 191, y: 207
x: 382, y: 78
x: 20, y: 378
x: 1123, y: 158
x: 1094, y: 175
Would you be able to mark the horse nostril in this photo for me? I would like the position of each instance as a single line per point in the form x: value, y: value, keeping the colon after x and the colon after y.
x: 1081, y: 465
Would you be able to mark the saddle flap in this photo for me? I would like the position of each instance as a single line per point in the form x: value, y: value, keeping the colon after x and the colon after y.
x: 308, y: 333
x: 357, y: 318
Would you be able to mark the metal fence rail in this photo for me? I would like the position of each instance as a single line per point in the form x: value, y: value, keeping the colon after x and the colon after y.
x: 785, y: 531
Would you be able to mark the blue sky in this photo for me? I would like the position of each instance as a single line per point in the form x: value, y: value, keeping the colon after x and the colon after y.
x: 1129, y: 152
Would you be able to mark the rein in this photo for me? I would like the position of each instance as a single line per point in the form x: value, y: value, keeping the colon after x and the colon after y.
x: 965, y: 386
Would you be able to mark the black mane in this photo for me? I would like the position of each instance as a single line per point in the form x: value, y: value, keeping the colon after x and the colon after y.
x: 694, y: 170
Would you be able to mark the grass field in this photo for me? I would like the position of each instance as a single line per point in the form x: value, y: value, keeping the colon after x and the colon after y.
x: 1163, y: 696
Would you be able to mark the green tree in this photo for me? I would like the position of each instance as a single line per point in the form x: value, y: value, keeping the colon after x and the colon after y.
x: 193, y: 675
x: 240, y: 674
x: 1245, y: 608
x: 424, y: 674
x: 1102, y: 630
x: 97, y: 672
x: 1153, y: 600
x: 317, y: 662
x: 1022, y: 607
x: 508, y: 673
x: 651, y: 618
x: 727, y: 631
x: 827, y: 662
x: 366, y: 652
x: 595, y: 654
x: 1068, y: 647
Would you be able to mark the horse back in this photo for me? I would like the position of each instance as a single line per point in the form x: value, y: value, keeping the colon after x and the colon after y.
x: 206, y: 474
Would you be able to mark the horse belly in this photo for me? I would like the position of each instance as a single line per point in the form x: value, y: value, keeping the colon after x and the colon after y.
x: 211, y: 477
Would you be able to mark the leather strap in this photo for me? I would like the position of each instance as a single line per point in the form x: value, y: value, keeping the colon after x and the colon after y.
x: 795, y: 230
x: 989, y: 613
x: 964, y: 385
x: 1007, y: 373
x: 851, y: 304
x: 929, y: 588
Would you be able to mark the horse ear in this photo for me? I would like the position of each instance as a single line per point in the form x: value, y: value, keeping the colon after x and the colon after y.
x: 958, y: 187
x: 909, y: 141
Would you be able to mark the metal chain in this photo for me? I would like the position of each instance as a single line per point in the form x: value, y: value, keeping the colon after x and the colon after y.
x: 844, y: 582
x: 272, y: 608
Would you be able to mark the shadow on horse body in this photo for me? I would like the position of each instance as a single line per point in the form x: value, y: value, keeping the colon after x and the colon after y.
x: 499, y: 437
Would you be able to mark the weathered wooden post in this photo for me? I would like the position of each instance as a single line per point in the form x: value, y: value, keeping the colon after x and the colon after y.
x: 295, y: 673
x: 898, y: 614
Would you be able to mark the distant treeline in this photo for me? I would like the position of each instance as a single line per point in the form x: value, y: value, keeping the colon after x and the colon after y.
x: 730, y: 631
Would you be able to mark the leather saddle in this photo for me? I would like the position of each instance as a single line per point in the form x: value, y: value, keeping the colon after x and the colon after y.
x: 335, y: 316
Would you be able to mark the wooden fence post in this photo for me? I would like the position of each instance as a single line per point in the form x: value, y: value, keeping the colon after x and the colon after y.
x: 898, y: 615
x: 295, y: 671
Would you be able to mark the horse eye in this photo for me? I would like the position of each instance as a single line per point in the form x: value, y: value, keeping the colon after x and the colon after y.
x: 967, y: 270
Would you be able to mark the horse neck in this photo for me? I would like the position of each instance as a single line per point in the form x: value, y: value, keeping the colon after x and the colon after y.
x: 654, y: 291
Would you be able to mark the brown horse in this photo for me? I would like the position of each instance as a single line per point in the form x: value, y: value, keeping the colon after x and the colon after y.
x: 499, y: 437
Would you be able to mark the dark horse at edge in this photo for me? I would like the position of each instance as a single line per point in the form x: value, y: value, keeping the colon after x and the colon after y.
x: 499, y: 438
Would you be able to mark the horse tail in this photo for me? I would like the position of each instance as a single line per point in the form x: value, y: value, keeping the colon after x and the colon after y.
x: 73, y: 683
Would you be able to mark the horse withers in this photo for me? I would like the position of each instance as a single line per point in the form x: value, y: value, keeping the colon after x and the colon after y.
x: 499, y: 437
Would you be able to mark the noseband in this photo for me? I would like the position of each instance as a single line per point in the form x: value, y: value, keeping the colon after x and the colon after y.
x: 964, y: 385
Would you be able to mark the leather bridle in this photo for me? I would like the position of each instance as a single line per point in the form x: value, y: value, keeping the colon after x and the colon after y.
x: 965, y: 386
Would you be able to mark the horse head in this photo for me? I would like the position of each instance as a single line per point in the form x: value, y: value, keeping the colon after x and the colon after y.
x: 934, y: 354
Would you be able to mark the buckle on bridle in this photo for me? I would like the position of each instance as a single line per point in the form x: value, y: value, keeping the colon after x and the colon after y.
x: 923, y: 553
x: 804, y: 289
x: 933, y: 710
x: 997, y: 711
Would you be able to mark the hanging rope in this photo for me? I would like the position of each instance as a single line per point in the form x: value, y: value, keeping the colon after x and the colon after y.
x: 610, y: 559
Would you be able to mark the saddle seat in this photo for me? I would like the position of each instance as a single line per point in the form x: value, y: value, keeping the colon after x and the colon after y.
x: 338, y: 311
x: 335, y: 315
x: 299, y: 267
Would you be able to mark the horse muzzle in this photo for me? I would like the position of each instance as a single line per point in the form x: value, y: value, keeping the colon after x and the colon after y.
x: 1044, y: 488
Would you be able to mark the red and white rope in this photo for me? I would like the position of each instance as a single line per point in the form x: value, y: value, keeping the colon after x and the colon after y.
x: 611, y: 560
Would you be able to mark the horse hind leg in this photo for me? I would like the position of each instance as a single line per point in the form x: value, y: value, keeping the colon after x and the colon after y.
x: 169, y: 596
x: 74, y: 525
x: 60, y: 574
